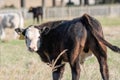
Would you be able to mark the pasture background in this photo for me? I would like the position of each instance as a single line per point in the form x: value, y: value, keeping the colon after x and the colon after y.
x: 16, y: 63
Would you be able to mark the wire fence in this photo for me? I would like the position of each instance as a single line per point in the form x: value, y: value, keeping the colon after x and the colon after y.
x: 70, y: 12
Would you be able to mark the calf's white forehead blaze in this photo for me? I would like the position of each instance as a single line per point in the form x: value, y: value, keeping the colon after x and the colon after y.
x: 32, y: 32
x: 32, y: 38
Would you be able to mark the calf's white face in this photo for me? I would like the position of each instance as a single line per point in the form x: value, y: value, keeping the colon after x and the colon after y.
x: 32, y: 38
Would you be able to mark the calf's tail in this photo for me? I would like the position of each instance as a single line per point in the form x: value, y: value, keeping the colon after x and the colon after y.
x: 87, y: 21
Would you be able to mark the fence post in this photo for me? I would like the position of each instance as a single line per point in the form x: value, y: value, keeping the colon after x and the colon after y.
x: 44, y: 13
x: 69, y: 12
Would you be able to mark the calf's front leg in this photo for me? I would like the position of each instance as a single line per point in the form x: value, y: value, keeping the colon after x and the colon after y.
x: 58, y: 73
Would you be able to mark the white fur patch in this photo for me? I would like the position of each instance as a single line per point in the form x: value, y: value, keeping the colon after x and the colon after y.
x: 32, y: 38
x: 84, y: 56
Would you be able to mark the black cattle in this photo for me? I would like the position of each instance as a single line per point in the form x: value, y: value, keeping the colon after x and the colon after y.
x: 79, y: 35
x: 37, y: 12
x: 51, y: 24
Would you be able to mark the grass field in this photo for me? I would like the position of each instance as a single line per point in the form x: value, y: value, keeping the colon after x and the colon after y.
x: 16, y: 63
x: 106, y: 21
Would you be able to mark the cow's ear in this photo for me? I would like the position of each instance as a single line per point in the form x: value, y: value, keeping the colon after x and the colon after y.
x: 45, y: 30
x: 19, y: 31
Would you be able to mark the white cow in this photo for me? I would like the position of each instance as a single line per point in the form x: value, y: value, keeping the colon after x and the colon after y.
x: 10, y: 20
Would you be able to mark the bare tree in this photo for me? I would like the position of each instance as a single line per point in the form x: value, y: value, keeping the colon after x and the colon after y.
x: 43, y: 3
x: 22, y: 3
x: 54, y: 3
x: 62, y: 2
x: 69, y: 1
x: 83, y: 2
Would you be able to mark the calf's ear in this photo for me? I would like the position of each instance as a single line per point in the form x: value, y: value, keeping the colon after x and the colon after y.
x: 45, y: 30
x: 19, y: 31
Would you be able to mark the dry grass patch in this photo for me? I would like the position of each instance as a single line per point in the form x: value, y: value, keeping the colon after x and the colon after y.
x: 16, y: 63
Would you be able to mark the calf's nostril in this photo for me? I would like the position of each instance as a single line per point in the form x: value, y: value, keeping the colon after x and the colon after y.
x: 31, y: 48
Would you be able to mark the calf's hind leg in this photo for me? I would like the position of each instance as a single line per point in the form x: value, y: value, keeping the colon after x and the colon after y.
x: 75, y: 68
x: 74, y: 61
x: 99, y: 51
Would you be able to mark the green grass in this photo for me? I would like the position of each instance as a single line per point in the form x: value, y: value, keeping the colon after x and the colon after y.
x: 17, y: 63
x: 105, y: 21
x: 109, y: 21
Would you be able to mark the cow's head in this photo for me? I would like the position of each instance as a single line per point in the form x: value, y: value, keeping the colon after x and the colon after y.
x: 30, y: 9
x: 32, y: 35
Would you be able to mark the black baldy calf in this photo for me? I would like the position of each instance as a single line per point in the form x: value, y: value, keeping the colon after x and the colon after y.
x: 37, y: 13
x: 78, y: 36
